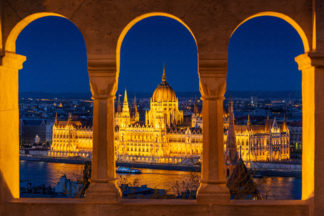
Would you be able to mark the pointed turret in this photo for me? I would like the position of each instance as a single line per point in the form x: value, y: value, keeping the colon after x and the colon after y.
x: 135, y: 105
x: 119, y: 109
x: 69, y: 118
x: 267, y: 124
x: 284, y: 125
x: 274, y: 127
x: 231, y: 151
x: 125, y: 104
x: 55, y: 119
x: 196, y: 111
x: 230, y: 105
x: 248, y: 121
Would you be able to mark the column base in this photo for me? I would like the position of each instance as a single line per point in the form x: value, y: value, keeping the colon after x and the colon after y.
x: 213, y: 193
x: 103, y: 191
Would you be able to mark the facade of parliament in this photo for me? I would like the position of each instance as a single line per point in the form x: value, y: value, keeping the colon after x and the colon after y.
x: 163, y: 138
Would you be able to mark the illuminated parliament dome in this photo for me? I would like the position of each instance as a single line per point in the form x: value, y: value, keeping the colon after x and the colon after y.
x: 164, y: 92
x: 164, y: 110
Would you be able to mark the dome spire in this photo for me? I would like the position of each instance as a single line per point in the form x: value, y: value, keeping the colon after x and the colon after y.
x: 163, y: 75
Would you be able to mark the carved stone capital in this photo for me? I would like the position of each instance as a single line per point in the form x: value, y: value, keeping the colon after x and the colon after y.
x: 212, y: 75
x: 12, y: 61
x: 102, y: 76
x: 308, y: 60
x: 303, y: 61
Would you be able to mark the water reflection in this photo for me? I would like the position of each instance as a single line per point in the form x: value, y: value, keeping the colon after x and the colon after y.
x: 39, y: 173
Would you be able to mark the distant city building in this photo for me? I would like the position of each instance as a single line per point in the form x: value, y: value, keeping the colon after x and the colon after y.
x: 71, y: 138
x: 296, y: 133
x: 30, y: 128
x: 268, y: 142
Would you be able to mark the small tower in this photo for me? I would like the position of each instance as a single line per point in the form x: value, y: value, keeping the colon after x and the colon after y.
x: 69, y: 119
x: 119, y: 109
x: 196, y: 111
x: 284, y: 125
x: 231, y: 155
x: 136, y: 114
x: 248, y: 123
x: 125, y: 104
x: 56, y: 121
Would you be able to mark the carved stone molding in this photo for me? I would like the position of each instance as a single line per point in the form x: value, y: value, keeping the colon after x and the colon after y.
x: 308, y: 60
x: 303, y: 61
x: 13, y: 61
x: 212, y: 75
x: 102, y: 76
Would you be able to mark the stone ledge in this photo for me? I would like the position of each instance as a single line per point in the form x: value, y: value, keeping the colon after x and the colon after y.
x: 69, y: 207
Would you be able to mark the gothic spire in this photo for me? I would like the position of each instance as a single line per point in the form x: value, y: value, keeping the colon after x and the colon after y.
x: 56, y: 119
x: 135, y: 105
x: 231, y: 154
x: 284, y: 124
x: 196, y: 111
x: 163, y: 75
x: 249, y: 121
x: 119, y: 105
x: 70, y: 118
x: 125, y: 104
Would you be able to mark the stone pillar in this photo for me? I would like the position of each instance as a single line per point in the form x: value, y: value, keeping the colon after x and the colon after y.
x: 308, y: 99
x: 103, y: 187
x: 312, y: 67
x: 10, y: 64
x: 212, y: 75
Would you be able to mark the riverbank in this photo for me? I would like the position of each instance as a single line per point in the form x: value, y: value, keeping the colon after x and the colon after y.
x: 177, y: 167
x: 258, y: 169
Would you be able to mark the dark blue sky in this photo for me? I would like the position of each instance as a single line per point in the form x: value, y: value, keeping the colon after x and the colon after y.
x: 261, y: 56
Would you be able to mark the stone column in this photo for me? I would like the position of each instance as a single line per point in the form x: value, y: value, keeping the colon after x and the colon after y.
x: 10, y: 64
x: 103, y: 187
x: 308, y: 100
x: 212, y: 75
x: 312, y: 66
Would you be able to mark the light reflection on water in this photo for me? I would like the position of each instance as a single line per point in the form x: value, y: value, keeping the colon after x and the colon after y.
x: 39, y: 173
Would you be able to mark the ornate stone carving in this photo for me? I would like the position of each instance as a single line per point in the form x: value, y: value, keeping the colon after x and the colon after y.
x: 12, y: 61
x: 102, y: 76
x: 303, y: 61
x: 212, y: 76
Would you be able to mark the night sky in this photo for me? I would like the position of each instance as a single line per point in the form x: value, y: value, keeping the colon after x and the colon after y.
x: 261, y: 57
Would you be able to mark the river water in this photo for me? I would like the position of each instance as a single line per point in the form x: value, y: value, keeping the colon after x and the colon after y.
x: 39, y: 173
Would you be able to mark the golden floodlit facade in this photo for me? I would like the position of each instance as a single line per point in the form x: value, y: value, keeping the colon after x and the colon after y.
x: 163, y: 138
x: 70, y: 139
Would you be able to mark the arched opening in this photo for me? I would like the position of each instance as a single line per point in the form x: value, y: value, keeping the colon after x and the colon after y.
x: 151, y: 48
x: 46, y: 81
x: 261, y: 56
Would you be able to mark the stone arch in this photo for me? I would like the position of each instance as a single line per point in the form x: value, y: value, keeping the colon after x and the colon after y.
x: 308, y: 97
x: 284, y: 17
x: 11, y: 63
x: 10, y: 45
x: 136, y: 20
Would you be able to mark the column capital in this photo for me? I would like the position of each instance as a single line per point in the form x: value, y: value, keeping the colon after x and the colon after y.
x: 12, y: 61
x: 212, y: 76
x: 102, y: 76
x: 311, y: 59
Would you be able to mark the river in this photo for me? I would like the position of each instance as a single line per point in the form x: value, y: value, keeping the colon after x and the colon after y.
x: 39, y: 173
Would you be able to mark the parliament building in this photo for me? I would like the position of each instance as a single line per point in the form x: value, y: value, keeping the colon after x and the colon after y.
x: 163, y: 138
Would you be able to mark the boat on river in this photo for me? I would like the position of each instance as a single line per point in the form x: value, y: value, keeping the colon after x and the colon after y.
x: 127, y: 170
